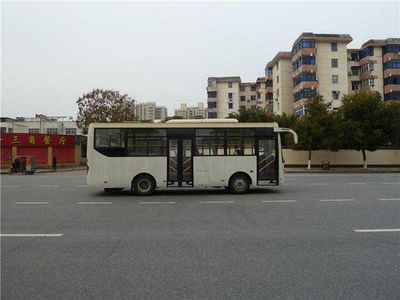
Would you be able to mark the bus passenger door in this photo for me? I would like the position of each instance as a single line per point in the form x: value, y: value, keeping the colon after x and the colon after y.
x: 266, y: 160
x: 180, y: 166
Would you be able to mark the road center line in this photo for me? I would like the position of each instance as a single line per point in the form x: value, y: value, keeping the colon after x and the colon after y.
x: 103, y: 202
x: 31, y: 234
x: 378, y: 230
x: 278, y: 201
x: 390, y: 182
x: 48, y: 185
x: 157, y: 203
x: 356, y: 183
x: 31, y: 202
x: 82, y: 185
x: 318, y: 184
x: 216, y: 202
x: 336, y: 200
x: 389, y: 199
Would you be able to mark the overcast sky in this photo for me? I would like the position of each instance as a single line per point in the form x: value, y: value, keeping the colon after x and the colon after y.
x: 54, y: 52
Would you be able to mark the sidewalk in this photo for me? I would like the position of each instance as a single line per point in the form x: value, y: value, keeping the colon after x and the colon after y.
x: 78, y: 168
x: 344, y: 170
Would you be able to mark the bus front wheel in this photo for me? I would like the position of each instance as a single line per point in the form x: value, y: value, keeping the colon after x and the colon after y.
x: 239, y: 184
x: 144, y: 185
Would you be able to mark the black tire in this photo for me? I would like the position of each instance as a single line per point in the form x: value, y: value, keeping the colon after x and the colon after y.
x: 239, y: 184
x: 144, y: 185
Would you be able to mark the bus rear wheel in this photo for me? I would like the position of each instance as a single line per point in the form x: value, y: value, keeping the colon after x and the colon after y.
x: 144, y: 185
x: 239, y: 184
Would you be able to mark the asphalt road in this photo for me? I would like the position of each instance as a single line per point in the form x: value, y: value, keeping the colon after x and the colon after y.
x: 297, y: 241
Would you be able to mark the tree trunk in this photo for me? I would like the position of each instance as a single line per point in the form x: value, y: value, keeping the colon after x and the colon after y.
x: 309, y: 160
x: 364, y: 159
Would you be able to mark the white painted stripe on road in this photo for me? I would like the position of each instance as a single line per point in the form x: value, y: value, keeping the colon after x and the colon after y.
x: 389, y: 199
x: 356, y: 183
x: 336, y: 200
x: 216, y: 202
x: 278, y: 201
x: 82, y: 185
x: 102, y: 202
x: 31, y: 234
x: 48, y: 185
x: 157, y: 202
x: 31, y: 202
x: 318, y: 183
x: 10, y: 186
x: 378, y: 230
x: 391, y: 182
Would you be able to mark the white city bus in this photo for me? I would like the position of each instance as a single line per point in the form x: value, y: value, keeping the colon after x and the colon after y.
x: 184, y: 153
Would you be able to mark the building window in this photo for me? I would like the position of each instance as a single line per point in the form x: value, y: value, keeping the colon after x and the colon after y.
x: 70, y: 131
x: 212, y: 115
x: 365, y: 52
x: 3, y: 130
x: 392, y: 64
x: 51, y: 130
x: 230, y: 95
x: 335, y: 79
x: 354, y: 71
x: 242, y: 88
x: 212, y: 94
x: 277, y: 93
x: 253, y: 87
x: 242, y: 98
x: 34, y: 130
x: 253, y: 98
x: 334, y: 47
x: 212, y: 104
x: 334, y: 63
x: 355, y: 86
x: 229, y: 84
x: 10, y: 130
x: 277, y: 79
x: 268, y: 83
x: 335, y: 95
x: 230, y: 105
x: 371, y: 82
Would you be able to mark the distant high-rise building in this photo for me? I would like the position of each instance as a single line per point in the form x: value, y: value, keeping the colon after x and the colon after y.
x: 148, y: 111
x: 195, y: 112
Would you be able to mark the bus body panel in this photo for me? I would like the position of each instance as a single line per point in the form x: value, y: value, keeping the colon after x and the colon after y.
x: 216, y: 170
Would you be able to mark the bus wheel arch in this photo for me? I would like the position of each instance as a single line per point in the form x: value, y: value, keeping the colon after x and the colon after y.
x: 143, y: 184
x: 239, y: 183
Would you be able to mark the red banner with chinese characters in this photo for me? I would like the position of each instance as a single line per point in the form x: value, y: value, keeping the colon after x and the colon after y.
x: 37, y: 140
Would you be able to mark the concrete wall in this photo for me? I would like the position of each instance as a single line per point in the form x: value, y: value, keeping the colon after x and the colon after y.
x: 222, y: 98
x: 389, y: 157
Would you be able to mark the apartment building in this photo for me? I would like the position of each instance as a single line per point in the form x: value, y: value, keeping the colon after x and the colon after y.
x: 147, y: 111
x: 226, y: 95
x: 280, y: 83
x: 40, y: 124
x: 195, y: 112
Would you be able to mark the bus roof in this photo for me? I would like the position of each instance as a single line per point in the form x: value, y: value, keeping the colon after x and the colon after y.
x: 188, y: 124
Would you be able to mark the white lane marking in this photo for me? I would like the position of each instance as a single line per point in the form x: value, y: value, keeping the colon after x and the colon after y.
x: 82, y: 185
x: 278, y: 201
x: 318, y: 184
x: 389, y: 199
x: 10, y: 186
x: 31, y: 202
x: 157, y: 202
x: 378, y: 230
x: 215, y: 202
x: 48, y: 185
x: 390, y: 182
x: 336, y: 200
x: 102, y: 202
x: 356, y: 183
x: 31, y: 234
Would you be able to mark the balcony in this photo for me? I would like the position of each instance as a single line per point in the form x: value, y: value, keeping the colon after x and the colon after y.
x: 269, y: 89
x: 367, y: 60
x: 212, y: 100
x: 367, y: 74
x: 300, y: 103
x: 212, y: 110
x: 305, y: 69
x: 392, y: 88
x: 390, y: 56
x: 304, y: 52
x: 305, y: 85
x: 391, y: 72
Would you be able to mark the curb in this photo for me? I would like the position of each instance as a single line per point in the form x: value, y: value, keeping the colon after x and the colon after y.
x: 39, y: 171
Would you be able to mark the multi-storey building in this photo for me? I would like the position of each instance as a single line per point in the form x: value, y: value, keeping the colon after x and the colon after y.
x: 40, y: 124
x: 279, y: 78
x: 196, y: 112
x: 148, y: 111
x: 227, y: 94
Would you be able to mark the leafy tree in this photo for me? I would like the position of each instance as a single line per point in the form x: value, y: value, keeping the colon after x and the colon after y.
x: 251, y: 115
x: 392, y: 113
x: 364, y: 122
x: 104, y: 106
x: 313, y: 128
